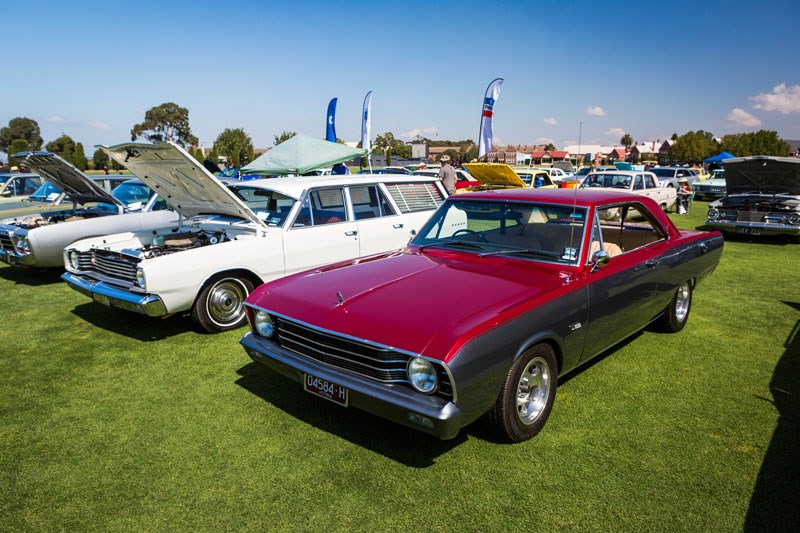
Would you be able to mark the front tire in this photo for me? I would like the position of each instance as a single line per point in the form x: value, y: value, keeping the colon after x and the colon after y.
x: 220, y: 305
x: 527, y: 396
x: 677, y: 312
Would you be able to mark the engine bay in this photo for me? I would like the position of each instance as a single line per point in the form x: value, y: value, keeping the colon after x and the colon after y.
x: 38, y: 221
x: 180, y: 241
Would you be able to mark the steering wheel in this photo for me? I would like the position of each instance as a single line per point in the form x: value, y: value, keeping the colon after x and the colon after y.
x: 470, y: 232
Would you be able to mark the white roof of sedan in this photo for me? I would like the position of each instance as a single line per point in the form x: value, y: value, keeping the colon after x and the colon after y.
x: 294, y: 186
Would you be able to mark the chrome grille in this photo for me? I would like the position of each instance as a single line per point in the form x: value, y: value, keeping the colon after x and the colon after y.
x: 5, y: 242
x: 375, y: 362
x: 109, y: 264
x: 750, y: 216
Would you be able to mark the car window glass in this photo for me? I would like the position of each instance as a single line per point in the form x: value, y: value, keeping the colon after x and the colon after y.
x: 325, y: 206
x: 370, y: 202
x: 649, y: 181
x: 626, y: 227
x: 638, y: 184
x: 270, y: 206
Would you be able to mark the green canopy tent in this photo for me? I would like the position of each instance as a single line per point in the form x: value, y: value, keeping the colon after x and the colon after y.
x: 301, y: 154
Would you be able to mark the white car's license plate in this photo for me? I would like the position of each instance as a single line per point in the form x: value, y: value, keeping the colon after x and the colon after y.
x: 326, y: 389
x: 749, y: 231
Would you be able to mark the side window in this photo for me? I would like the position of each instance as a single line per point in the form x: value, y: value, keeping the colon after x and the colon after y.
x: 650, y: 182
x: 160, y: 204
x: 638, y: 184
x: 325, y: 206
x: 626, y: 227
x: 412, y: 197
x: 370, y: 202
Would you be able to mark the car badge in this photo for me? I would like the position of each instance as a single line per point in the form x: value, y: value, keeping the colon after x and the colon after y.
x: 339, y: 297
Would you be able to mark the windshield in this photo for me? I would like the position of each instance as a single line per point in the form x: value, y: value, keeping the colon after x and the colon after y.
x: 539, y: 232
x: 270, y: 206
x: 47, y: 192
x: 132, y: 195
x: 617, y: 181
x: 663, y: 172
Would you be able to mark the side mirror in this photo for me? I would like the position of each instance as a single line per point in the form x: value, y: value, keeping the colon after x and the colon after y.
x: 600, y: 259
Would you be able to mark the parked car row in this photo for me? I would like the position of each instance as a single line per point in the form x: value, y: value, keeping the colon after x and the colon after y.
x: 499, y: 293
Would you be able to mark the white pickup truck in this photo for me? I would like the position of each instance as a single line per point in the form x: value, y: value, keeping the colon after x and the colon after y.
x: 644, y: 183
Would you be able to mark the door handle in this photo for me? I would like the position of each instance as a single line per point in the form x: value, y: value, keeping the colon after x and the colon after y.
x: 398, y: 226
x: 652, y: 263
x: 351, y: 233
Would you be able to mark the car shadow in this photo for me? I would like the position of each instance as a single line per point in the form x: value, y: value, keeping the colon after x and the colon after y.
x: 133, y: 325
x: 398, y: 443
x: 31, y: 276
x: 775, y: 502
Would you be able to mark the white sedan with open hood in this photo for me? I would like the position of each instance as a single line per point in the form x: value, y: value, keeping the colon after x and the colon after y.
x: 38, y: 240
x: 232, y: 238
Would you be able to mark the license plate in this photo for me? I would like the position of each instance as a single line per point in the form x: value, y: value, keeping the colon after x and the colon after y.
x: 101, y: 299
x: 749, y: 231
x: 326, y: 389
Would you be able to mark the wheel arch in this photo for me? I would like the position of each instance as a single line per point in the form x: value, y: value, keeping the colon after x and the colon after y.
x: 544, y: 338
x: 248, y: 274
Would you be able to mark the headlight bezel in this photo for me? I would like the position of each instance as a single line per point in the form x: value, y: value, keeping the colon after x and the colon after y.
x: 74, y: 259
x: 794, y: 219
x: 263, y: 324
x: 713, y: 213
x: 140, y: 279
x: 22, y: 246
x: 418, y: 367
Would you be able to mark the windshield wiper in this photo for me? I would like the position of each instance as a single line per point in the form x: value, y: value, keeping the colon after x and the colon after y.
x: 525, y: 251
x: 465, y: 244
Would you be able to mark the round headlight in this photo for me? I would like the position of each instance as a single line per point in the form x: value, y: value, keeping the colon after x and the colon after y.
x: 794, y: 219
x: 713, y: 214
x: 263, y: 324
x: 74, y: 260
x: 23, y: 246
x: 422, y: 375
x: 140, y: 278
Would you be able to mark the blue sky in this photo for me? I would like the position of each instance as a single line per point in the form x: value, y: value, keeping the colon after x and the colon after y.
x: 92, y: 69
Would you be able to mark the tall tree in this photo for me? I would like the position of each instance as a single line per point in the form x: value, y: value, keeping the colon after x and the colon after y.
x: 79, y: 157
x: 549, y: 147
x: 387, y: 141
x: 63, y: 146
x: 284, y: 136
x: 100, y: 159
x: 235, y: 145
x: 693, y: 147
x: 21, y: 128
x: 626, y: 140
x: 167, y: 122
x: 17, y: 146
x: 762, y: 142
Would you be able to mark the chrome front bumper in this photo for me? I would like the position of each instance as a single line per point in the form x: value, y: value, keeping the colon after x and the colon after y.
x: 763, y: 228
x: 111, y: 296
x: 12, y: 258
x: 429, y: 414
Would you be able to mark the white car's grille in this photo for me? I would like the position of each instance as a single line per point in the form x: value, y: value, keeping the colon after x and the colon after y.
x: 109, y: 264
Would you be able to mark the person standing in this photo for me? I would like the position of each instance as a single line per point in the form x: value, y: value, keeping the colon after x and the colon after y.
x: 447, y: 175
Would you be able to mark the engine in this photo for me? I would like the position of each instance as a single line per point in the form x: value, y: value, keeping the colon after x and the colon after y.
x: 178, y: 242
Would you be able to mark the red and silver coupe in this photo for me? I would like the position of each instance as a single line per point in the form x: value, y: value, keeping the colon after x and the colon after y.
x: 500, y: 294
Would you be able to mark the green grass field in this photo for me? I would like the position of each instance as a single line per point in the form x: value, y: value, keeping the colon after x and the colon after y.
x: 112, y: 421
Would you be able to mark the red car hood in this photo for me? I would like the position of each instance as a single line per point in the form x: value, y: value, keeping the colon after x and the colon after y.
x: 429, y: 303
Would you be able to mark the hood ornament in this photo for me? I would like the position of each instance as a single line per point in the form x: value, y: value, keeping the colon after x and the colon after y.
x: 339, y: 298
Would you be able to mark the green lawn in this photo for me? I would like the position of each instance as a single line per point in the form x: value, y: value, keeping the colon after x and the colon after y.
x: 112, y: 421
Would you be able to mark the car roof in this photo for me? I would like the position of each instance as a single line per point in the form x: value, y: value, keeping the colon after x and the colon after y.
x: 295, y: 186
x: 580, y: 197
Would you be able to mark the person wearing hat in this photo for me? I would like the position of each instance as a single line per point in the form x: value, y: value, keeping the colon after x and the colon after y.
x: 447, y: 175
x: 421, y: 165
x: 15, y: 169
x: 685, y: 194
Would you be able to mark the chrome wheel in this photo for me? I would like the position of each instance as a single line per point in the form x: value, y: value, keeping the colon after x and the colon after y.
x: 683, y: 299
x: 533, y: 390
x: 225, y: 301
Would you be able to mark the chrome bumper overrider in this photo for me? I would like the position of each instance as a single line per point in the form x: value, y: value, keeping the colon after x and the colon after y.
x: 393, y: 402
x: 12, y: 258
x: 111, y: 296
x: 766, y: 228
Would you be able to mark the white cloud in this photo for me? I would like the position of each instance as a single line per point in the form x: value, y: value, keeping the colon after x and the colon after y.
x: 743, y: 118
x: 429, y: 133
x: 782, y: 99
x: 100, y: 125
x: 615, y: 132
x: 55, y: 119
x: 550, y: 121
x: 596, y: 111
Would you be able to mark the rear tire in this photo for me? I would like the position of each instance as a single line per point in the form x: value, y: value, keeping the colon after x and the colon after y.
x: 220, y: 305
x: 527, y: 396
x: 677, y: 312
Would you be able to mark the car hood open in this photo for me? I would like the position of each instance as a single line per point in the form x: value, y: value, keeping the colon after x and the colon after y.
x: 762, y: 175
x: 78, y: 187
x: 180, y: 180
x: 496, y: 174
x: 419, y: 302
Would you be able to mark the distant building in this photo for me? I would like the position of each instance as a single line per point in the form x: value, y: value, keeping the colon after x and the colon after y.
x: 663, y: 153
x: 646, y: 151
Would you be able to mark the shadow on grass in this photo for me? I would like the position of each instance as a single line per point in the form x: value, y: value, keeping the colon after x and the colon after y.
x: 775, y: 503
x: 404, y: 445
x: 133, y: 325
x: 31, y: 276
